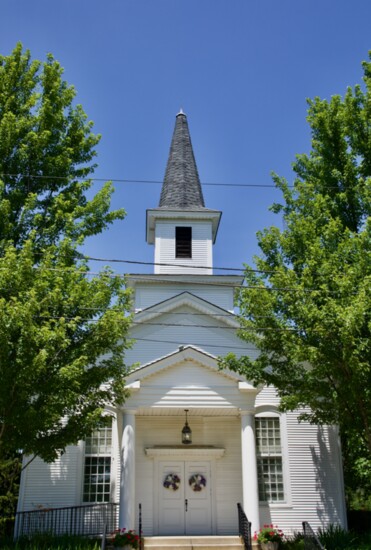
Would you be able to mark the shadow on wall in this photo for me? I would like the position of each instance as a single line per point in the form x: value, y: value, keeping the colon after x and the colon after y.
x: 328, y: 472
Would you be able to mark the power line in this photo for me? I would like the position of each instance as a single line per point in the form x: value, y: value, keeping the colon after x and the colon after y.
x: 205, y: 345
x: 252, y: 329
x: 233, y: 316
x: 182, y: 343
x: 144, y: 278
x: 127, y: 180
x: 171, y: 325
x: 162, y: 264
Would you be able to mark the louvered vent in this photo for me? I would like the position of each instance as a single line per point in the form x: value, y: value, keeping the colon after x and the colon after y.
x: 183, y: 242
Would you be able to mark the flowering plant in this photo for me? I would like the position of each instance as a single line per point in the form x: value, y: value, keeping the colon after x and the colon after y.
x: 269, y: 534
x: 122, y: 537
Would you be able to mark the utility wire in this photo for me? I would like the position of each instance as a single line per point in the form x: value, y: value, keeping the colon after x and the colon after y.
x: 205, y: 345
x: 72, y: 177
x: 213, y: 326
x: 122, y: 180
x: 144, y: 278
x: 172, y: 325
x: 162, y: 264
x: 234, y: 316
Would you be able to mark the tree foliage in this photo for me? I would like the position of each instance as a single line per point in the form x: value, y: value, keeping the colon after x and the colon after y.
x: 308, y: 309
x: 62, y: 329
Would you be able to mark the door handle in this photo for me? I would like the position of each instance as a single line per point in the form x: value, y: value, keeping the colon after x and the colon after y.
x: 186, y: 504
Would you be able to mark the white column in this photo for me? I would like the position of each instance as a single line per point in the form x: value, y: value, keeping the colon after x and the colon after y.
x: 127, y: 481
x: 249, y: 470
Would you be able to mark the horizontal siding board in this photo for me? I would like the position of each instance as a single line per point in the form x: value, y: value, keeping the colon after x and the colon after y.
x: 53, y: 485
x: 158, y: 339
x: 201, y: 248
x: 147, y: 296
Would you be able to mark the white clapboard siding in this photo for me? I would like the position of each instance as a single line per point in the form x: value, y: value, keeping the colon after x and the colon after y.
x: 157, y: 339
x: 315, y: 470
x: 201, y: 248
x: 314, y: 475
x: 149, y: 295
x: 61, y: 483
x: 52, y: 485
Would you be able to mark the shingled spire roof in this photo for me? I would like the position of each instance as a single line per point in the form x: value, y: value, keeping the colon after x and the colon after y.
x: 181, y: 188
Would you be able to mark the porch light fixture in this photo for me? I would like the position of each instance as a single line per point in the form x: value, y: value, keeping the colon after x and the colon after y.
x: 186, y: 431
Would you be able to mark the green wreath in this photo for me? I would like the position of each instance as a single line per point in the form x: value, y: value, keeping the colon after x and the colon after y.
x: 197, y: 482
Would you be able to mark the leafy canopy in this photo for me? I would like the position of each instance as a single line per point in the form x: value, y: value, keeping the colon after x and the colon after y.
x: 308, y: 311
x: 62, y: 329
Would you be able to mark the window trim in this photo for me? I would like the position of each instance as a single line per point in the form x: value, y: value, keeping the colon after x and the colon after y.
x: 269, y: 411
x: 88, y: 455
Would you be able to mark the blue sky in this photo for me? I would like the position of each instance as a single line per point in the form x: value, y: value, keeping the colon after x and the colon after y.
x: 240, y: 69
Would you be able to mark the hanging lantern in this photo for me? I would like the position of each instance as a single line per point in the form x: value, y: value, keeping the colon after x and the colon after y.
x: 186, y: 431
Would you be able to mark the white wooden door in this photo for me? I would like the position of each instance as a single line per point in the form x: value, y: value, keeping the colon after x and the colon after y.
x: 197, y: 482
x: 184, y: 505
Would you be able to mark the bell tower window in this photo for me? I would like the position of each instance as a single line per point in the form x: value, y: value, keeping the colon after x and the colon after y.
x: 183, y: 242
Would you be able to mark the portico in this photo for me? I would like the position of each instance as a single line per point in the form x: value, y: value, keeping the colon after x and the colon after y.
x: 221, y: 416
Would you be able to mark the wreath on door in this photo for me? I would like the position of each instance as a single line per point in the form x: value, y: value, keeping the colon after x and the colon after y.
x: 197, y: 482
x: 172, y: 482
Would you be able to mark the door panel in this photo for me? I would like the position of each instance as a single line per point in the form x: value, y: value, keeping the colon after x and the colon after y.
x: 198, y: 516
x: 171, y: 503
x: 184, y: 511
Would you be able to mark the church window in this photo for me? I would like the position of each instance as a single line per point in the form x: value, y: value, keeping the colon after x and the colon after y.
x: 183, y: 242
x: 97, y: 466
x: 269, y: 458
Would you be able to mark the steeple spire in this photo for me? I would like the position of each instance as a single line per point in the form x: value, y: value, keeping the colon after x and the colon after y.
x: 181, y: 187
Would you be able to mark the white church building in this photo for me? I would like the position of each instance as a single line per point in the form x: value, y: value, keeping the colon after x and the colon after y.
x: 191, y: 441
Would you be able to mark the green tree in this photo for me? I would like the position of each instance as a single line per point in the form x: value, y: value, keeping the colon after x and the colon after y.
x: 307, y: 308
x: 62, y: 329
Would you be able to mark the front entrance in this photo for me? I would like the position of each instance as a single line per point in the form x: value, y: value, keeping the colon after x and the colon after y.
x: 184, y: 498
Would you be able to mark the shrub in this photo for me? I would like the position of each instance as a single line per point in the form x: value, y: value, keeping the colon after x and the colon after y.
x: 335, y: 537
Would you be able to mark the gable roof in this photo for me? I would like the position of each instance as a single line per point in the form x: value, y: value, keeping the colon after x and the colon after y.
x: 184, y: 353
x: 188, y: 299
x: 181, y: 187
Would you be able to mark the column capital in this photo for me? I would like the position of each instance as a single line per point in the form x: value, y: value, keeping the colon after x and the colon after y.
x: 248, y: 412
x: 130, y: 411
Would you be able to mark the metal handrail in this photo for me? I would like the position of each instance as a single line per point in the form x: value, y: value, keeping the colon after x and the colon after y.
x: 311, y: 541
x: 140, y: 526
x: 88, y: 520
x: 244, y: 527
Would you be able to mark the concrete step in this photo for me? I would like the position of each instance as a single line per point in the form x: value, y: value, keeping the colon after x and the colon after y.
x: 194, y: 543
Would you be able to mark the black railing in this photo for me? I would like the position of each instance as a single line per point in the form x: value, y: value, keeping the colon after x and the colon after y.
x: 88, y: 520
x: 244, y: 527
x: 311, y: 541
x: 140, y: 526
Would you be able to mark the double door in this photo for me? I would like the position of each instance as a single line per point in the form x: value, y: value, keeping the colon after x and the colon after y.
x: 184, y: 498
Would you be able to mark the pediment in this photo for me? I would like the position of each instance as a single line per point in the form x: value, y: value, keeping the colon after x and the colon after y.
x: 192, y: 357
x: 187, y: 299
x: 188, y: 378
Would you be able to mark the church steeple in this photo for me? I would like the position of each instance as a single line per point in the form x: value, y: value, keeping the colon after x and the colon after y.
x: 181, y: 187
x: 181, y: 228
